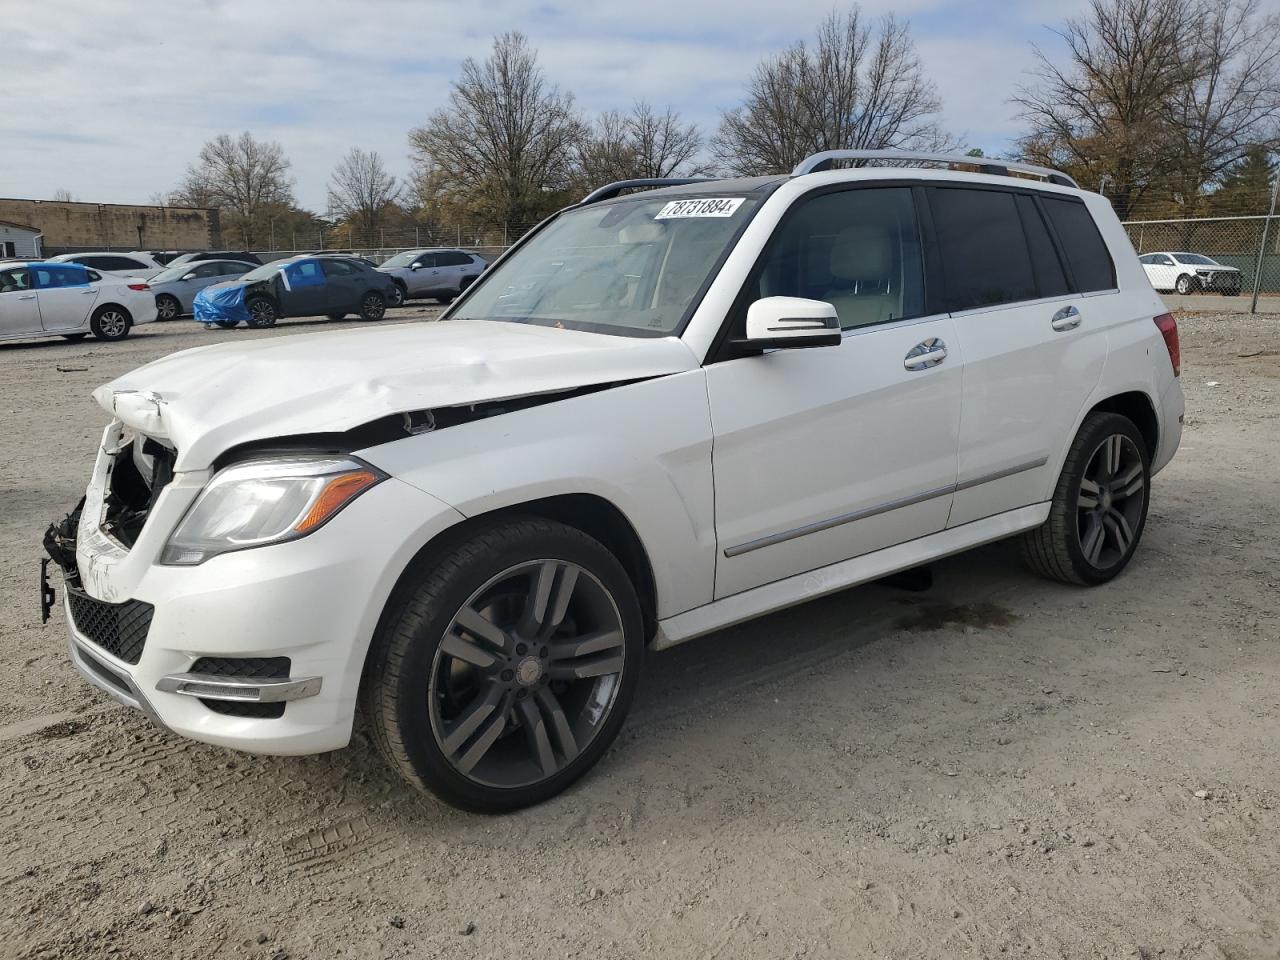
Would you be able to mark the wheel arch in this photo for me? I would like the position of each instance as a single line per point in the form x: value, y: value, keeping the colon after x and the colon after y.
x: 592, y: 514
x: 1137, y: 407
x: 98, y: 308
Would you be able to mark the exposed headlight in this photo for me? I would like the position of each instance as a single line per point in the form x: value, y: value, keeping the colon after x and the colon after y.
x: 266, y: 501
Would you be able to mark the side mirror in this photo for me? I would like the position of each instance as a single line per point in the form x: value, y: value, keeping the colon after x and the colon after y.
x: 790, y: 322
x: 189, y: 276
x: 415, y: 265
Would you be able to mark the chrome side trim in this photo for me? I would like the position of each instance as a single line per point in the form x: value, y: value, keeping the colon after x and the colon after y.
x: 1001, y: 474
x: 209, y: 686
x: 841, y: 520
x: 820, y: 525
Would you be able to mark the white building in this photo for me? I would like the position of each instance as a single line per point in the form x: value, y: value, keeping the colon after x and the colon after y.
x: 19, y: 240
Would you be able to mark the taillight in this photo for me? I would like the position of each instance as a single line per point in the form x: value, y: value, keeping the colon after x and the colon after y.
x: 1169, y: 330
x: 147, y: 286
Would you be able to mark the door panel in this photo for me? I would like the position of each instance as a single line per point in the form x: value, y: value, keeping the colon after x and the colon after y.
x: 19, y: 309
x: 842, y: 435
x: 302, y: 289
x: 63, y: 308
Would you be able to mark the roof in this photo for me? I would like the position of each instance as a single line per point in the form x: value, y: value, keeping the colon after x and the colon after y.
x: 19, y: 226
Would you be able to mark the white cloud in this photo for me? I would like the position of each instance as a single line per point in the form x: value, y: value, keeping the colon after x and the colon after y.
x: 112, y: 105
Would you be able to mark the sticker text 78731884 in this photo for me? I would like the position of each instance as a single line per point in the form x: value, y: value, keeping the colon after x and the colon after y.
x: 700, y: 207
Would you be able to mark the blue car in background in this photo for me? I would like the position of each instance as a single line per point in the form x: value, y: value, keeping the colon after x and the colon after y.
x: 300, y: 287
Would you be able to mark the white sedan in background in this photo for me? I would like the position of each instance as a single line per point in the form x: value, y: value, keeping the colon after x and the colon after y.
x: 1190, y: 273
x: 136, y: 264
x: 39, y: 299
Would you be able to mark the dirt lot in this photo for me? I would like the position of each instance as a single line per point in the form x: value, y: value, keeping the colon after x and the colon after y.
x: 1000, y: 766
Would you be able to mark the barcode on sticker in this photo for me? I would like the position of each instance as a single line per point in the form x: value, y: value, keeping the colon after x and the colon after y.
x: 701, y: 207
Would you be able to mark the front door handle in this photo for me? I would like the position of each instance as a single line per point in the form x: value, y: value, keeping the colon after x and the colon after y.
x: 926, y: 354
x: 27, y: 296
x: 1068, y: 318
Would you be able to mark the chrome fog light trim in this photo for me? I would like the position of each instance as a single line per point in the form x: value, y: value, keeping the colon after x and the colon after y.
x: 245, y: 690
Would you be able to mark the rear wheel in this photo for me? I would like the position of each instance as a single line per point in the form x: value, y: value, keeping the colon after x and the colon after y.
x: 110, y: 323
x: 373, y: 306
x: 503, y: 672
x: 1099, y: 507
x: 262, y: 313
x: 167, y: 307
x: 397, y: 295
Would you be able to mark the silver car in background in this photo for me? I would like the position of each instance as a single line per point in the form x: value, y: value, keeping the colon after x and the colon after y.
x: 176, y: 287
x: 438, y: 272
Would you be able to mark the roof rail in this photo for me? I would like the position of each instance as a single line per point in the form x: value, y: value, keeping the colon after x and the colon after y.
x: 611, y: 190
x: 997, y: 168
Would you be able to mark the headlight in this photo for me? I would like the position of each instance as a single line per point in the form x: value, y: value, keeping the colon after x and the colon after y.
x: 266, y: 501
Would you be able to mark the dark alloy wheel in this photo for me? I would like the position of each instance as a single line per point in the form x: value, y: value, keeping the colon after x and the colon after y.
x: 167, y: 307
x: 110, y: 323
x: 1187, y: 284
x: 396, y: 296
x: 262, y: 313
x: 1099, y: 508
x: 509, y: 667
x: 373, y: 306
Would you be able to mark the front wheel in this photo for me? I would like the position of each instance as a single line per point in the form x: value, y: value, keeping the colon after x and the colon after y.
x: 111, y: 323
x: 262, y: 313
x: 167, y: 307
x: 502, y: 673
x: 373, y: 306
x: 1099, y: 507
x: 1185, y: 285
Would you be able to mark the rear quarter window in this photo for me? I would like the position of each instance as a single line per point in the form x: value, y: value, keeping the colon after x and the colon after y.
x: 1085, y: 250
x: 984, y: 252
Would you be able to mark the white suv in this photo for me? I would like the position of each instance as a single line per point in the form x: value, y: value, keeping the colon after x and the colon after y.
x: 659, y: 414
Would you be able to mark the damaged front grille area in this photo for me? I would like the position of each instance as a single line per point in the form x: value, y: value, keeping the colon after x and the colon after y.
x: 141, y: 470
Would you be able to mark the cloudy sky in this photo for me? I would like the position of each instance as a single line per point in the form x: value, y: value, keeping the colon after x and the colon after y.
x: 112, y: 100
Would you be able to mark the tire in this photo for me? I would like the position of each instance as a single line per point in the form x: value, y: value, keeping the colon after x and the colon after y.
x: 74, y: 336
x: 1091, y: 534
x: 226, y: 324
x: 167, y: 307
x: 262, y: 313
x: 398, y: 296
x: 464, y: 283
x: 373, y: 306
x: 428, y: 677
x: 1186, y: 284
x: 110, y: 323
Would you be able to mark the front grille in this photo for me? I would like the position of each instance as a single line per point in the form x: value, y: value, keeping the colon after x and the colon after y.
x: 244, y: 668
x: 118, y: 628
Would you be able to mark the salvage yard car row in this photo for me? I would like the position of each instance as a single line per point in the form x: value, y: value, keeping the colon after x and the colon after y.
x: 221, y: 289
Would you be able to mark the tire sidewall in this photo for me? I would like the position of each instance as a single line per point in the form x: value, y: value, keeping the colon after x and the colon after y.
x: 411, y: 713
x: 364, y: 312
x: 254, y: 321
x: 1092, y: 434
x: 95, y: 324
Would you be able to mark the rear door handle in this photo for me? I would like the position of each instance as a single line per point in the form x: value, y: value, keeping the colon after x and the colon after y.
x: 88, y: 293
x: 1068, y: 318
x: 926, y: 354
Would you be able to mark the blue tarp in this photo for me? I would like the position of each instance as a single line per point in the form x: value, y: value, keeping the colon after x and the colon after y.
x: 45, y: 276
x: 220, y: 303
x: 302, y: 273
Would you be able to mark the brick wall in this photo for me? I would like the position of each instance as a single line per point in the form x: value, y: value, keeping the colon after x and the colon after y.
x: 112, y: 226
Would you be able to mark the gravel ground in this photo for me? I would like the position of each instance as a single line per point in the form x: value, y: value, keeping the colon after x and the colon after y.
x: 999, y: 766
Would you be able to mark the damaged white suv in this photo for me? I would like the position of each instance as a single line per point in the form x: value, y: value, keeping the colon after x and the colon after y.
x: 661, y: 413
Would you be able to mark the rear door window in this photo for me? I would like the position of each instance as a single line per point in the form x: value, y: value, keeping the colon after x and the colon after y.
x: 51, y: 276
x: 452, y: 258
x: 1086, y: 253
x: 983, y: 248
x: 1050, y: 277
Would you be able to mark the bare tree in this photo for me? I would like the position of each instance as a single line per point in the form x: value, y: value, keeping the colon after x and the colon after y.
x: 1155, y: 98
x: 1232, y: 102
x: 361, y: 191
x: 506, y: 140
x: 63, y: 196
x: 642, y: 143
x: 245, y: 178
x: 860, y: 86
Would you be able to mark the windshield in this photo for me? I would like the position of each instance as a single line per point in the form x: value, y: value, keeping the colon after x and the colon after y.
x: 630, y: 268
x: 173, y: 273
x: 402, y: 259
x: 1192, y: 258
x: 261, y: 273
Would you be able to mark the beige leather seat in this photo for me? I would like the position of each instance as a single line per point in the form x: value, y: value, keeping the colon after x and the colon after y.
x: 864, y: 284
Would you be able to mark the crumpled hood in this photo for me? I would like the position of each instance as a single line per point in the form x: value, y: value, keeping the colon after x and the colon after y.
x: 207, y: 400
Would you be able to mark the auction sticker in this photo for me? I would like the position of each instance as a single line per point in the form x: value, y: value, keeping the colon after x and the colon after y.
x: 701, y: 207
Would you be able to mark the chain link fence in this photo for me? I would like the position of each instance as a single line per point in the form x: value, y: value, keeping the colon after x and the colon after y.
x: 488, y: 240
x: 1233, y: 241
